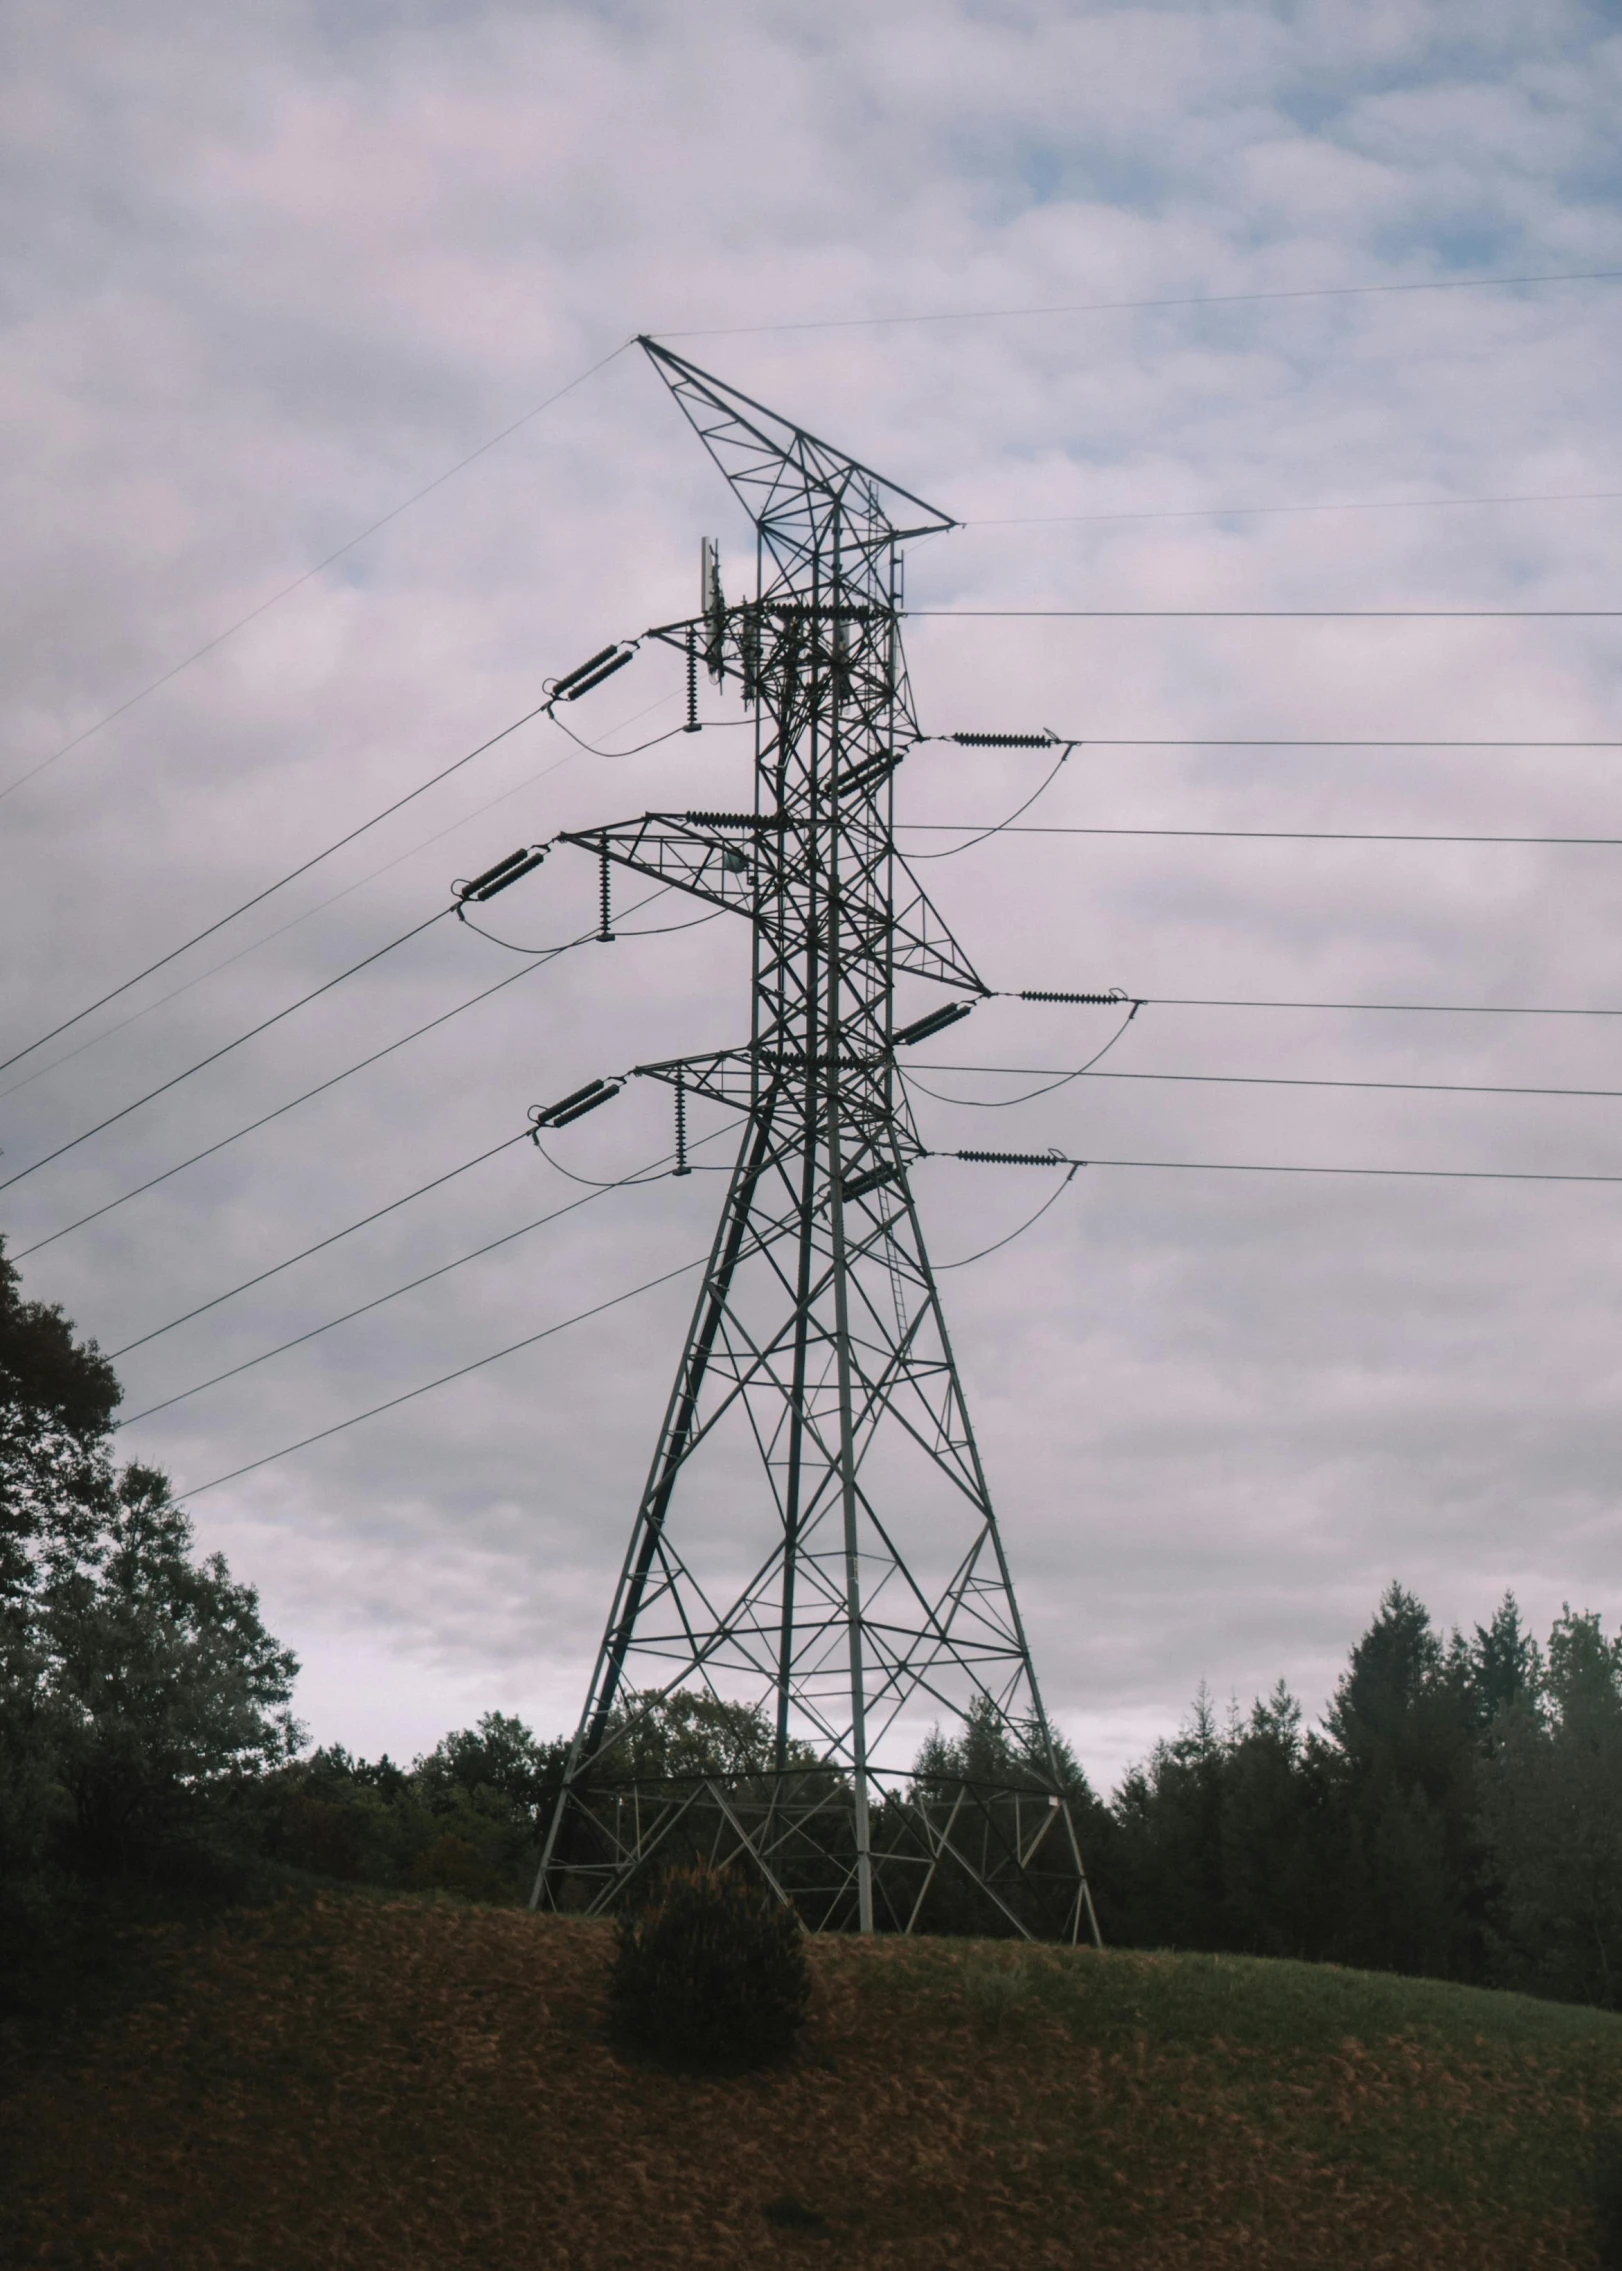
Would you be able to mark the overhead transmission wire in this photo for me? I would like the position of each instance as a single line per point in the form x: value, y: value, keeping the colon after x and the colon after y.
x: 709, y: 725
x: 1052, y: 1158
x: 1331, y: 505
x: 270, y: 936
x: 1059, y: 1076
x: 963, y: 1261
x: 363, y: 1064
x: 225, y: 1050
x: 279, y: 1112
x: 1302, y: 741
x: 999, y: 827
x: 246, y: 906
x: 277, y: 1018
x: 320, y: 1246
x: 1181, y: 300
x: 979, y: 832
x: 438, y: 836
x: 642, y: 1175
x: 462, y: 1371
x: 682, y: 1269
x: 985, y: 831
x: 660, y: 930
x: 1008, y: 827
x: 1061, y: 1080
x: 1385, y: 1008
x: 309, y: 574
x: 271, y: 889
x: 964, y: 315
x: 1266, y: 614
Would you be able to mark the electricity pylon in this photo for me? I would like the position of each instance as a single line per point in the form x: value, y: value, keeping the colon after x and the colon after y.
x: 869, y: 1594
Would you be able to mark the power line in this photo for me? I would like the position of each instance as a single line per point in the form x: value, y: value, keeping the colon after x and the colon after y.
x: 1267, y: 614
x: 308, y: 575
x: 1262, y: 1080
x: 544, y: 772
x: 281, y: 930
x: 1115, y: 307
x: 215, y: 1055
x: 461, y: 1373
x: 349, y: 1315
x: 320, y: 1246
x: 1400, y: 1008
x: 1300, y: 741
x: 980, y: 830
x: 271, y: 889
x: 1232, y: 1166
x: 320, y: 1087
x: 1202, y: 1166
x: 1336, y: 505
x: 988, y: 829
x: 965, y: 1260
x: 1249, y: 1167
x: 624, y: 1182
x: 280, y: 1112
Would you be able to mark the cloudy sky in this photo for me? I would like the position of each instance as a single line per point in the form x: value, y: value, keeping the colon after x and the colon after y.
x: 271, y: 272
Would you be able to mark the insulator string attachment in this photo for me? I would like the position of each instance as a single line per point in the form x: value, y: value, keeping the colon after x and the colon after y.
x: 1113, y: 999
x: 681, y: 1167
x: 1013, y: 1158
x: 1004, y: 740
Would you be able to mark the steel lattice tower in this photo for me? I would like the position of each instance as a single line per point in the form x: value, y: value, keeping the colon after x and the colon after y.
x: 875, y: 1589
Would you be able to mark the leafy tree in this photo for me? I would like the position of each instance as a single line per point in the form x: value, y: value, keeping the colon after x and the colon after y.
x: 136, y: 1683
x: 689, y: 1734
x: 57, y: 1398
x: 499, y: 1756
x: 162, y: 1682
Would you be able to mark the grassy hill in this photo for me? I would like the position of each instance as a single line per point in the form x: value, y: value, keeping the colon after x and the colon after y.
x: 365, y: 2083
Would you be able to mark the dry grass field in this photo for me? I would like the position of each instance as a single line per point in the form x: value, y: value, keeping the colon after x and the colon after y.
x: 394, y: 2085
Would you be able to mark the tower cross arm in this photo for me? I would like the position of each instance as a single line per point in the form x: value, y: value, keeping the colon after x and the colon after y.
x: 714, y: 863
x: 725, y: 1076
x: 924, y: 946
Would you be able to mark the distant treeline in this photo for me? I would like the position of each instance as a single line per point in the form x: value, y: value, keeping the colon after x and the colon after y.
x: 1458, y: 1813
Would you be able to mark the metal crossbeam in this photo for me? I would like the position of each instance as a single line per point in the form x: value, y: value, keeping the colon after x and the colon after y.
x: 877, y: 1598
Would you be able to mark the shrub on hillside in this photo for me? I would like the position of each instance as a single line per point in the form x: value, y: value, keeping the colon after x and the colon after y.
x: 712, y: 1973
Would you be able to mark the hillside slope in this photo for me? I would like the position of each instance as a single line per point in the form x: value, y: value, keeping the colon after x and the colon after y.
x: 418, y: 2085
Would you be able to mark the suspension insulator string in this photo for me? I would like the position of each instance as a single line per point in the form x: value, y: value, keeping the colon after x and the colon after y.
x: 692, y: 725
x: 681, y: 1167
x: 605, y: 923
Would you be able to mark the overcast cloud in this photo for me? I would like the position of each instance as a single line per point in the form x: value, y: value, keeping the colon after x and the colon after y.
x: 269, y: 271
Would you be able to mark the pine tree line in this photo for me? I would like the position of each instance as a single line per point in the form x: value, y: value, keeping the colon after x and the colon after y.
x: 1459, y: 1814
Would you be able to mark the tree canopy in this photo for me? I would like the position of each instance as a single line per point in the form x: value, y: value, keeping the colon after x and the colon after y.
x: 137, y: 1681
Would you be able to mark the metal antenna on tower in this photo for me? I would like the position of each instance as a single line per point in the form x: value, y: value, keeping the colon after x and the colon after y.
x: 867, y: 1599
